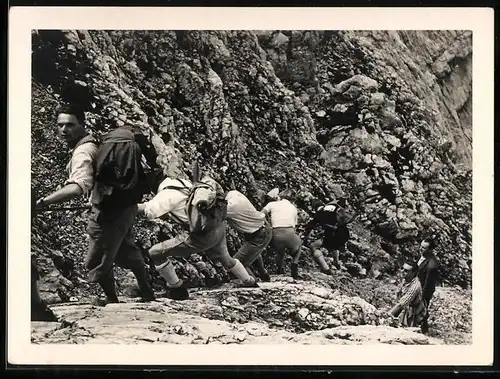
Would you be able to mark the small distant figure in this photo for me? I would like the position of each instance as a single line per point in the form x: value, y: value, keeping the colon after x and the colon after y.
x: 410, y: 307
x: 427, y: 272
x: 283, y: 221
x: 333, y: 219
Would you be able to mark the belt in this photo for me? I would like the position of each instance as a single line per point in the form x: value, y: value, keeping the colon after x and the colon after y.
x: 260, y: 229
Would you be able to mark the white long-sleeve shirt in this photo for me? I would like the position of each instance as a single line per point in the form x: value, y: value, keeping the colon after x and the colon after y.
x: 80, y: 168
x: 242, y: 215
x: 170, y: 201
x: 283, y: 213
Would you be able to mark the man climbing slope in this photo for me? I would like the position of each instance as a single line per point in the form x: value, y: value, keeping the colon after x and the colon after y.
x: 191, y: 206
x: 332, y: 218
x: 283, y: 221
x: 91, y: 172
x: 245, y: 219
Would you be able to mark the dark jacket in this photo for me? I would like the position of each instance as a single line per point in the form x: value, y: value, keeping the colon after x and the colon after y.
x: 428, y: 275
x: 328, y: 219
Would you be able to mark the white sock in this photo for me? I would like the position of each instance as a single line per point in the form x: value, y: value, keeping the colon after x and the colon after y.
x: 240, y: 272
x: 167, y: 272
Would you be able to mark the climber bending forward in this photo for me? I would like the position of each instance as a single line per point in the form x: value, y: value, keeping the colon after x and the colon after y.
x: 190, y: 206
x: 283, y: 221
x: 252, y: 224
x: 332, y: 218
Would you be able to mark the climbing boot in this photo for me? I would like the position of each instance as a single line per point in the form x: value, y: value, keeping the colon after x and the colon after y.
x: 178, y: 293
x: 328, y: 271
x: 295, y: 271
x: 265, y: 277
x: 212, y: 282
x: 248, y: 283
x: 103, y: 301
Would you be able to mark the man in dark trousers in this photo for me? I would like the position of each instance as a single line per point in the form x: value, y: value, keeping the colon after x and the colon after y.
x: 333, y: 219
x: 113, y: 211
x: 427, y: 272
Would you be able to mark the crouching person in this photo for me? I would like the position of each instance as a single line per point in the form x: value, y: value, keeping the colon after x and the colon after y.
x: 332, y: 218
x: 252, y: 224
x: 410, y: 307
x: 201, y: 209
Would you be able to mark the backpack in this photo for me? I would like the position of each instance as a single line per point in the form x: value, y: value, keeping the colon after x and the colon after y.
x: 342, y: 217
x: 206, y: 206
x: 120, y: 165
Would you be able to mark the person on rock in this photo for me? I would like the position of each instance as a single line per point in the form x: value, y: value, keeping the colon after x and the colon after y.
x: 410, y: 307
x: 245, y: 219
x: 332, y: 218
x: 283, y: 216
x: 427, y: 273
x: 109, y: 227
x: 172, y: 200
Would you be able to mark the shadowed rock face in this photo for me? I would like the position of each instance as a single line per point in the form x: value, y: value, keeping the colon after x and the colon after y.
x: 381, y: 118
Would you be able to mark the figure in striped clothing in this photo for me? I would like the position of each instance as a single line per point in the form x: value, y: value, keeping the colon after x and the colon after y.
x: 410, y: 307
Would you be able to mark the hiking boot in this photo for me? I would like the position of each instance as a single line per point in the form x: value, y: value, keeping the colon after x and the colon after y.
x: 103, y: 301
x: 178, y: 293
x: 148, y: 297
x: 147, y: 293
x: 265, y: 277
x: 329, y: 271
x: 41, y: 312
x: 248, y: 284
x: 280, y: 271
x: 295, y: 271
x: 212, y: 282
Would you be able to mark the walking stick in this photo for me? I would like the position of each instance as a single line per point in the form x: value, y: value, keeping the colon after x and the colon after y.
x: 58, y: 209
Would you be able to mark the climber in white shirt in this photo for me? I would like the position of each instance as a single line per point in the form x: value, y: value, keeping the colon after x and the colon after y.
x: 283, y: 216
x: 245, y: 219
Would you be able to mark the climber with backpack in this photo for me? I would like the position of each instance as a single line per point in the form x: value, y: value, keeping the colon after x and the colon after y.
x: 110, y: 174
x: 200, y: 207
x: 333, y: 219
x: 120, y: 183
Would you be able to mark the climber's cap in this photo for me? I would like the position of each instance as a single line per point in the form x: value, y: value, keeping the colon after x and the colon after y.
x: 273, y: 194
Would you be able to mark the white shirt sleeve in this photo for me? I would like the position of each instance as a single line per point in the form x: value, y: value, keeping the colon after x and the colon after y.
x: 267, y: 209
x: 159, y: 205
x: 81, y: 168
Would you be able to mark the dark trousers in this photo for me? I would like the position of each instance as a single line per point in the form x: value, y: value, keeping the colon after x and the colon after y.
x: 111, y: 242
x: 425, y: 321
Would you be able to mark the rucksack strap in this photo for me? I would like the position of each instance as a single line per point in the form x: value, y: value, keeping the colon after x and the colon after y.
x: 87, y: 139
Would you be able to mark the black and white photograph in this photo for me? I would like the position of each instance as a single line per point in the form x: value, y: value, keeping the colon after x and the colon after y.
x: 262, y: 186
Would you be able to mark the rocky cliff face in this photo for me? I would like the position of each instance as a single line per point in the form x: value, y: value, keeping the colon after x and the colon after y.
x: 381, y: 118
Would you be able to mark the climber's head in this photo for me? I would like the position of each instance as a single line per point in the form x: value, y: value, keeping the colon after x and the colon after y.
x: 427, y: 246
x: 273, y: 195
x: 70, y: 123
x: 409, y: 272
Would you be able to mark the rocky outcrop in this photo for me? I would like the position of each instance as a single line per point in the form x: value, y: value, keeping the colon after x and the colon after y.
x: 380, y: 118
x: 282, y: 311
